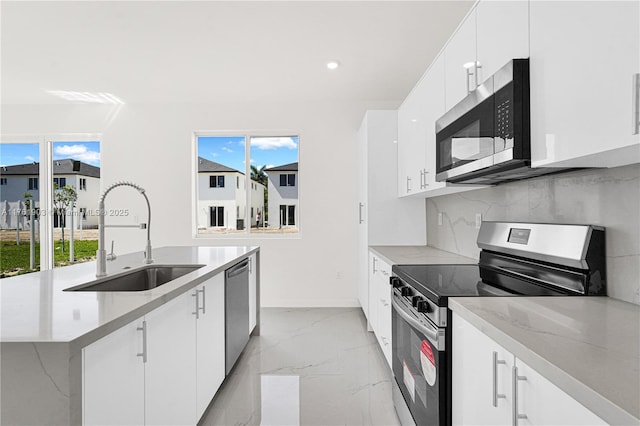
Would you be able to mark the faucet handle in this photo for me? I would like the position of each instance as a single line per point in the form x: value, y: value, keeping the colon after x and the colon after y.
x: 112, y: 255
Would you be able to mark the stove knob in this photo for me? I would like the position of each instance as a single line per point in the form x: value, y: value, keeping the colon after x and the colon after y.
x: 415, y: 300
x: 423, y: 306
x: 395, y: 282
x: 405, y: 291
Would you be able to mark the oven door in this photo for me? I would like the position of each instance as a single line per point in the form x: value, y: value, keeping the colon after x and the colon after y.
x: 419, y: 367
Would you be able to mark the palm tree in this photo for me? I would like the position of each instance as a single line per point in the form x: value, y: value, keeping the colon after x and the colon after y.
x: 258, y: 175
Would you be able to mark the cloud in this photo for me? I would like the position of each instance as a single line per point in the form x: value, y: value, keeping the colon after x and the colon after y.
x: 273, y: 143
x: 77, y: 152
x: 225, y: 149
x: 29, y: 158
x: 214, y: 154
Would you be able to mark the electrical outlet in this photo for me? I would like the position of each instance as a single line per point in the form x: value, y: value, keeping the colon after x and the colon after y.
x: 478, y: 220
x: 439, y: 219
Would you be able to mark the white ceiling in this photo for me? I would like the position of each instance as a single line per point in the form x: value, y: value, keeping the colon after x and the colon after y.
x: 202, y: 51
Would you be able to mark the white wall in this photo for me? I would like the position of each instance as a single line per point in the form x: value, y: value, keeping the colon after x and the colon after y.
x: 142, y: 142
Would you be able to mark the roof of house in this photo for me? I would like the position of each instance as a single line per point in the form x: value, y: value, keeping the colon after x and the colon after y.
x: 291, y: 167
x: 208, y: 166
x: 60, y: 167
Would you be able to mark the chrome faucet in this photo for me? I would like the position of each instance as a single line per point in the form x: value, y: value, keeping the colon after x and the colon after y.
x: 101, y: 253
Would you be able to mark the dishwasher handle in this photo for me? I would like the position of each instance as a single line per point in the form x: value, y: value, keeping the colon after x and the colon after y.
x: 238, y: 268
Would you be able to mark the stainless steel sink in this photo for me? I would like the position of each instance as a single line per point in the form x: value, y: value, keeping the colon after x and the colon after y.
x: 140, y: 279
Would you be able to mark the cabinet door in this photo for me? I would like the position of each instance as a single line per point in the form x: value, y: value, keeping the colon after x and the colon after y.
x: 170, y: 371
x: 474, y: 375
x: 253, y: 282
x: 210, y: 341
x: 411, y: 149
x: 373, y: 307
x: 383, y: 298
x: 434, y: 109
x: 502, y: 34
x: 460, y: 54
x: 113, y: 379
x: 546, y: 404
x: 583, y: 57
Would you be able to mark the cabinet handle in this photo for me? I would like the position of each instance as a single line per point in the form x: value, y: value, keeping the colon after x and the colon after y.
x: 384, y: 303
x: 408, y: 184
x: 204, y: 299
x: 424, y: 173
x: 496, y: 362
x: 197, y: 311
x: 251, y: 265
x: 476, y: 72
x: 384, y: 341
x: 636, y: 104
x: 143, y: 354
x: 360, y: 207
x: 516, y: 416
x: 374, y: 265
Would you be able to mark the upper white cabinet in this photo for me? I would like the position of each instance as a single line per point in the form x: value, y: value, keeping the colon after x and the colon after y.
x: 490, y: 386
x: 382, y: 217
x: 412, y: 154
x: 502, y: 34
x: 460, y: 56
x: 583, y: 59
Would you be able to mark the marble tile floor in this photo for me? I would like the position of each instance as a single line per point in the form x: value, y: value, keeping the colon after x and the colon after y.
x: 315, y: 366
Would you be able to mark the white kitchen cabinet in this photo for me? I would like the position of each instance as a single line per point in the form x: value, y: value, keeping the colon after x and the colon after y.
x: 210, y: 349
x: 484, y: 390
x: 412, y: 149
x: 382, y: 217
x: 380, y: 304
x: 460, y: 55
x: 583, y: 59
x: 502, y: 34
x: 170, y: 370
x: 253, y: 286
x: 113, y: 376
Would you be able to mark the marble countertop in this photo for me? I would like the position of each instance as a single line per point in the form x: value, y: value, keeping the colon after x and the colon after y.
x: 587, y: 346
x: 35, y: 307
x: 419, y: 255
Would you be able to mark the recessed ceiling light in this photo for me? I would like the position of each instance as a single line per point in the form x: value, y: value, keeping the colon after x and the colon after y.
x: 332, y: 65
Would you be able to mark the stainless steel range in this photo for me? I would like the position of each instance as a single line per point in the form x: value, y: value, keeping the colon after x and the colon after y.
x: 516, y: 259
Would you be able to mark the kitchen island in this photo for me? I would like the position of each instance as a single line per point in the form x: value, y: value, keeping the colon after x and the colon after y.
x: 44, y: 328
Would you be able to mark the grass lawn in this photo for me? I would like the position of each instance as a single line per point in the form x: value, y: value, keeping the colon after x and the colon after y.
x: 14, y: 260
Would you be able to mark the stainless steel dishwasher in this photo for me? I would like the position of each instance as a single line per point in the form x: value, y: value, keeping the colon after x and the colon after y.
x: 236, y: 316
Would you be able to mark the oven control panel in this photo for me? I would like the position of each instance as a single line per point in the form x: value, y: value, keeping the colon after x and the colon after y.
x: 419, y: 304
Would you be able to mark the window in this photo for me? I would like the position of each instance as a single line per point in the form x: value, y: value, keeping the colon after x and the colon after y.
x: 57, y: 226
x: 288, y: 179
x: 33, y: 184
x: 216, y: 181
x: 257, y: 163
x: 287, y: 215
x: 83, y: 184
x: 216, y: 216
x: 3, y: 181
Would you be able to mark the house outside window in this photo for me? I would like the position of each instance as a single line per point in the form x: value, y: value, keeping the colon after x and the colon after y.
x: 62, y: 182
x: 83, y: 184
x: 288, y: 179
x: 3, y: 181
x: 33, y: 184
x: 216, y: 216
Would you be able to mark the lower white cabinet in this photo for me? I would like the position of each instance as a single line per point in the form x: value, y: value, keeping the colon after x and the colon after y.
x: 490, y: 386
x: 113, y: 376
x: 380, y: 303
x: 162, y: 369
x: 210, y: 351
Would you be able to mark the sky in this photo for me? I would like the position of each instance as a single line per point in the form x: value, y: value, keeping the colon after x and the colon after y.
x: 17, y: 153
x: 265, y: 151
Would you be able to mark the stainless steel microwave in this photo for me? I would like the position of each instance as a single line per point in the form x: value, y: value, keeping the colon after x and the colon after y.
x: 486, y: 137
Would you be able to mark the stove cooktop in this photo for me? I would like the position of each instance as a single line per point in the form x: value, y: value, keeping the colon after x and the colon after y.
x: 439, y: 282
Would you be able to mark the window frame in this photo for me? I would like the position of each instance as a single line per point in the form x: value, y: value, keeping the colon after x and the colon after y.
x: 248, y: 135
x: 45, y: 143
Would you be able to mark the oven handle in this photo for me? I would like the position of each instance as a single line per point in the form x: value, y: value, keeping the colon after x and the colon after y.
x: 432, y: 333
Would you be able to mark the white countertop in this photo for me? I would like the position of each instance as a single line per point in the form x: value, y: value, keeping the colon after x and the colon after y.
x: 34, y: 307
x: 587, y: 346
x: 419, y: 255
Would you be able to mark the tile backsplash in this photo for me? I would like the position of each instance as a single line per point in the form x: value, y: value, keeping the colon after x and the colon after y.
x: 605, y: 197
